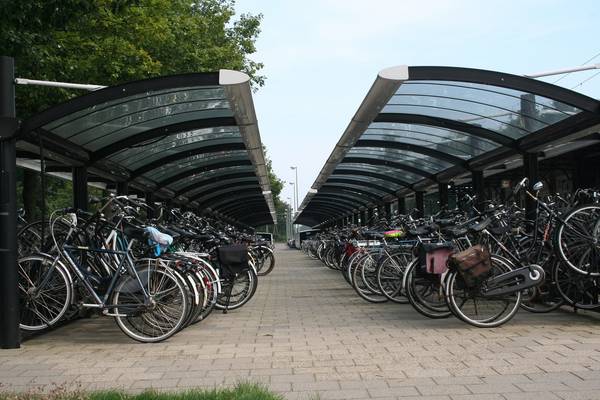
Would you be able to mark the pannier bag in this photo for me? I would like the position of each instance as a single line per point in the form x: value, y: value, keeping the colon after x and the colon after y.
x: 433, y: 257
x: 474, y: 264
x: 234, y: 257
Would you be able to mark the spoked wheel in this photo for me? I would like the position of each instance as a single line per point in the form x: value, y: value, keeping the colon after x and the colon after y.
x: 578, y: 240
x: 364, y: 280
x: 45, y: 292
x: 425, y: 292
x: 210, y: 283
x: 578, y: 290
x: 265, y: 261
x: 242, y: 287
x: 154, y: 318
x: 469, y: 305
x: 390, y: 275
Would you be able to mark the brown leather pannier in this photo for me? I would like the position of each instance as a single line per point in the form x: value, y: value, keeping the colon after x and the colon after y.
x: 474, y: 264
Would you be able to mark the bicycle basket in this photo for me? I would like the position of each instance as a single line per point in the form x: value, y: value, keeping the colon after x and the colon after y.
x: 474, y: 264
x: 395, y: 233
x: 233, y: 257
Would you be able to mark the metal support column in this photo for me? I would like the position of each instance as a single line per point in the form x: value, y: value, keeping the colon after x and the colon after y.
x: 532, y: 172
x: 150, y: 202
x: 401, y: 205
x: 478, y: 188
x: 420, y: 203
x: 363, y: 220
x: 80, y: 188
x: 122, y: 188
x: 9, y: 297
x: 443, y: 194
x: 388, y: 210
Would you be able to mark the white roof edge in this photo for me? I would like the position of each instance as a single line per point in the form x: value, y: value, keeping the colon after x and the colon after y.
x: 396, y: 73
x: 231, y: 77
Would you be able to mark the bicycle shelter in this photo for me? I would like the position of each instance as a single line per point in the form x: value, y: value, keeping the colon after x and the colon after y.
x: 418, y: 128
x: 190, y: 140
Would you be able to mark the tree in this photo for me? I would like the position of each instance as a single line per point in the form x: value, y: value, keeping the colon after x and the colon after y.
x: 108, y: 42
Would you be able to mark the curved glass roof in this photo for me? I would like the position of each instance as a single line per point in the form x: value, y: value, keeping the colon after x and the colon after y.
x: 177, y: 136
x: 419, y: 126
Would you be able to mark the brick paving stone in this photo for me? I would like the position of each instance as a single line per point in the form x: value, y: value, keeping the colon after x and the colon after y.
x: 307, y: 335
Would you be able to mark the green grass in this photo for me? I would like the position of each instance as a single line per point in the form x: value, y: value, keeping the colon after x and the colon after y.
x: 242, y: 391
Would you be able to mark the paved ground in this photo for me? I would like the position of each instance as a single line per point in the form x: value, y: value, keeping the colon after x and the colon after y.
x: 307, y: 335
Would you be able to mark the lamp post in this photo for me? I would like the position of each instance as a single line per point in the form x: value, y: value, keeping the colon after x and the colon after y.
x: 294, y: 203
x: 296, y: 187
x: 288, y: 219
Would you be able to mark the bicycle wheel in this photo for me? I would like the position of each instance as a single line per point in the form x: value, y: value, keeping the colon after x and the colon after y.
x: 266, y: 261
x: 469, y: 305
x: 425, y: 292
x: 152, y: 318
x: 578, y: 240
x: 45, y: 292
x: 578, y: 290
x: 390, y: 275
x: 364, y: 271
x: 242, y: 286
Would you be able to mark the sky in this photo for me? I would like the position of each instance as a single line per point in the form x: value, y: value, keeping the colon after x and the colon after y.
x: 322, y: 56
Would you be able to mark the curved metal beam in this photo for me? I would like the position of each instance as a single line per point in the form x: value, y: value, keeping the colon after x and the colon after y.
x: 160, y: 132
x: 186, y: 154
x: 427, y: 151
x: 383, y: 177
x: 376, y: 161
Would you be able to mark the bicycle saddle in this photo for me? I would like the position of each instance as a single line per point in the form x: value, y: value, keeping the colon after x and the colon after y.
x: 478, y: 227
x: 454, y: 231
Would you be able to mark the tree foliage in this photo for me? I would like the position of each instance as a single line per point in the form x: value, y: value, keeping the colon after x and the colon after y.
x: 107, y: 42
x: 113, y: 41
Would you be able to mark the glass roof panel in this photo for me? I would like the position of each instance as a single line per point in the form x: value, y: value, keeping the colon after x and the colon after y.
x: 142, y: 156
x: 137, y: 101
x: 216, y: 193
x: 105, y: 135
x: 380, y: 169
x: 198, y: 177
x: 197, y: 161
x: 511, y: 113
x: 367, y: 179
x: 357, y: 187
x: 203, y: 188
x: 421, y: 161
x: 137, y: 108
x: 438, y: 138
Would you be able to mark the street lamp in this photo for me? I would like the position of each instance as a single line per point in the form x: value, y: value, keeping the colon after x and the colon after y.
x: 294, y: 203
x: 288, y: 219
x: 296, y: 187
